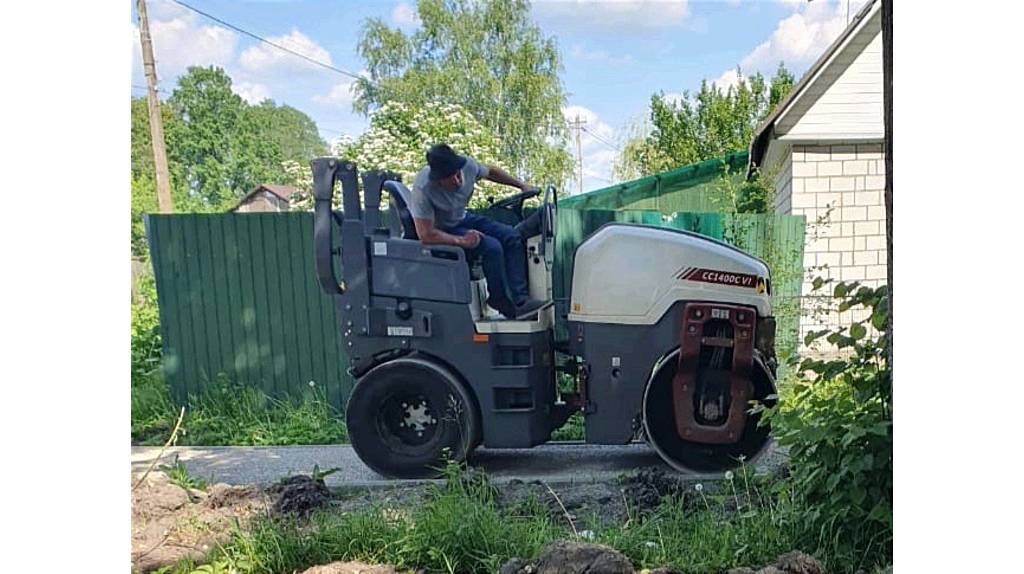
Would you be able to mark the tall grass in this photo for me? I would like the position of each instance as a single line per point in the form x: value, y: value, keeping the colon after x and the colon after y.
x: 461, y: 527
x: 231, y: 414
x: 224, y: 413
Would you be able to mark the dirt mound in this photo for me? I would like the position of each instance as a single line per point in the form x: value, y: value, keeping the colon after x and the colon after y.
x: 170, y: 522
x: 645, y: 488
x: 350, y: 568
x: 794, y: 562
x: 299, y: 495
x: 572, y: 558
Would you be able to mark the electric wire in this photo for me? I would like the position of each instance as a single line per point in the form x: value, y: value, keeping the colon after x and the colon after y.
x: 601, y: 139
x: 270, y: 43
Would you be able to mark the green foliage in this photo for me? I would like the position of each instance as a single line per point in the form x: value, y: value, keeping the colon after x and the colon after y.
x: 230, y: 414
x: 837, y: 424
x: 397, y: 140
x: 571, y: 430
x: 178, y: 474
x: 145, y: 329
x: 700, y: 531
x: 218, y: 147
x: 461, y: 527
x: 292, y: 132
x: 487, y: 57
x: 217, y: 141
x: 709, y: 124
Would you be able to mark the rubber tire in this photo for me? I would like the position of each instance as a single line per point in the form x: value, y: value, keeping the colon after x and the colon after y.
x: 688, y: 456
x: 457, y: 429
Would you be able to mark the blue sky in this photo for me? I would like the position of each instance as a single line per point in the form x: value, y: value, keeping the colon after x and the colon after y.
x: 616, y: 53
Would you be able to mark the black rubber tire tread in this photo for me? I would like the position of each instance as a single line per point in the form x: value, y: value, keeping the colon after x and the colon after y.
x: 458, y: 425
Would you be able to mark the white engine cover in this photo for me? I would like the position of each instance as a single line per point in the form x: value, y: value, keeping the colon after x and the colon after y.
x: 632, y: 274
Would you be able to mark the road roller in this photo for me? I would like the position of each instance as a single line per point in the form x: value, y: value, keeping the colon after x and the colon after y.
x: 665, y: 336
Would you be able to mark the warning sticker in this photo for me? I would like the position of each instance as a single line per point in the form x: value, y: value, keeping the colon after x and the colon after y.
x: 719, y: 277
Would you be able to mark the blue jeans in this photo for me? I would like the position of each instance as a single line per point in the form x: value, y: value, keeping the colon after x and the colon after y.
x: 503, y: 251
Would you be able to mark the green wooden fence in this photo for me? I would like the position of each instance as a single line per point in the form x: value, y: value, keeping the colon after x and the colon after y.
x: 238, y: 295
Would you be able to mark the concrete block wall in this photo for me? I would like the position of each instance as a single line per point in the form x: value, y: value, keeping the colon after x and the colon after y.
x: 839, y: 188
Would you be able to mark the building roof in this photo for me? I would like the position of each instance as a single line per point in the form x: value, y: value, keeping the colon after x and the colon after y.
x: 764, y: 132
x: 283, y: 192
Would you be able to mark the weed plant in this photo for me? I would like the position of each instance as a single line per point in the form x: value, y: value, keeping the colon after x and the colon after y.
x: 461, y: 527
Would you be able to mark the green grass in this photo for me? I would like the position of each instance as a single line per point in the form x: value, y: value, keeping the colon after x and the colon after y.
x: 230, y: 414
x: 571, y: 430
x: 461, y: 528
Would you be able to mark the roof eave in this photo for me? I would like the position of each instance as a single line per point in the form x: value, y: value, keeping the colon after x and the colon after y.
x: 763, y: 133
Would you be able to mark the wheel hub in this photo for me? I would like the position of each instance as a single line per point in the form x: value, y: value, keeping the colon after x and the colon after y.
x: 417, y: 417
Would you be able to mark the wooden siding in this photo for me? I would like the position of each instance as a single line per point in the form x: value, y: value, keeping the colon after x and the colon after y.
x: 845, y: 100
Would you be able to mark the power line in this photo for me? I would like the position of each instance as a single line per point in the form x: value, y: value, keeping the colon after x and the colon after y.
x: 602, y: 140
x: 145, y: 88
x: 269, y: 43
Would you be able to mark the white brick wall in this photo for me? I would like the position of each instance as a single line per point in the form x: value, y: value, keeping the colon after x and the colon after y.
x: 846, y: 181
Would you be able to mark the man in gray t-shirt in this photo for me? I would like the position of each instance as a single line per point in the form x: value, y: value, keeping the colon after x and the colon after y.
x: 440, y: 194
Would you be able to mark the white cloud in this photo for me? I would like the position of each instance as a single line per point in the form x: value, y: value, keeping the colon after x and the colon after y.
x: 339, y: 95
x: 405, y: 15
x: 579, y: 52
x: 598, y: 155
x: 251, y: 92
x: 728, y: 79
x: 181, y: 40
x: 798, y: 39
x: 641, y: 15
x: 264, y: 58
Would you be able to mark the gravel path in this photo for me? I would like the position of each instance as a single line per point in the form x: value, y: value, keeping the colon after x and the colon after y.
x: 556, y: 463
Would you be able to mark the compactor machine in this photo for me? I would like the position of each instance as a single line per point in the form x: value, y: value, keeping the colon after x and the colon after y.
x: 670, y: 337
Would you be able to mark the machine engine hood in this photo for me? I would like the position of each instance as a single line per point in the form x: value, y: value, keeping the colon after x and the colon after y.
x: 632, y: 274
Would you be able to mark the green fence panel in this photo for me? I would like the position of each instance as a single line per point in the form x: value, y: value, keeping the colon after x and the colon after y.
x: 238, y: 297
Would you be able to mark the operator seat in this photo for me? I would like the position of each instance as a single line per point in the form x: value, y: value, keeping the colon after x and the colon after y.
x: 400, y: 197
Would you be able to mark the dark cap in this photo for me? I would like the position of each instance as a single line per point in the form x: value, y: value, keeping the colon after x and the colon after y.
x: 443, y: 161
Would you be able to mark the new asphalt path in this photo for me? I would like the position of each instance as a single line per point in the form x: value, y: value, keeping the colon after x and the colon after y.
x: 555, y: 463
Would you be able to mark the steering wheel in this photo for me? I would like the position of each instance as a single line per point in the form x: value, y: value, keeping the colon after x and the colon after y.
x: 514, y: 203
x: 547, y: 218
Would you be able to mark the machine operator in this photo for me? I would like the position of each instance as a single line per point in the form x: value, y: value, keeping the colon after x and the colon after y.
x: 440, y: 195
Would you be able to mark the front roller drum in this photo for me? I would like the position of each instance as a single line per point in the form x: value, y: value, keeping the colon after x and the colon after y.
x: 659, y: 420
x: 408, y: 417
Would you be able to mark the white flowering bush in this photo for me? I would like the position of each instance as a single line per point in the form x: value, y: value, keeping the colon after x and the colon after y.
x: 398, y: 138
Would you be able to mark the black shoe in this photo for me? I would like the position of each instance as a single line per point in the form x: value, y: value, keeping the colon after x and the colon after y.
x: 530, y: 307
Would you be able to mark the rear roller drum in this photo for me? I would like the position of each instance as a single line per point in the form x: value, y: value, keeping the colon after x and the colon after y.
x: 406, y: 418
x: 687, y: 456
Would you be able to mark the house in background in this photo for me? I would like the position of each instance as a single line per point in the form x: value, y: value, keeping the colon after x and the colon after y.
x: 265, y: 198
x: 824, y: 146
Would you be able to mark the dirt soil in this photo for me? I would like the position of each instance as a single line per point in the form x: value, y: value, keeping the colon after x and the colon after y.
x: 170, y: 522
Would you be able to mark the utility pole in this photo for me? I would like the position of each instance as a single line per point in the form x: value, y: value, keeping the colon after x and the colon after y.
x: 577, y: 126
x: 156, y: 126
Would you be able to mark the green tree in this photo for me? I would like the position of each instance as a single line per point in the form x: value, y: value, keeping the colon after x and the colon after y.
x: 486, y: 57
x: 293, y: 133
x: 224, y: 150
x: 397, y: 139
x: 709, y: 124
